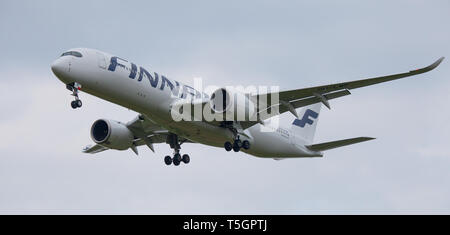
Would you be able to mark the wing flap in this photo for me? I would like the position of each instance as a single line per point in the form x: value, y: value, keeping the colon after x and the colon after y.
x: 272, y: 111
x: 337, y: 144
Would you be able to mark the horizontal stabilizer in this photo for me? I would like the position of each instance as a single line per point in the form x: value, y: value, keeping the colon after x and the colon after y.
x: 337, y: 144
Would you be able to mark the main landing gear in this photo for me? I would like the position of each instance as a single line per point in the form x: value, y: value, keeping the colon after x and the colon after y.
x: 177, y: 159
x: 74, y: 88
x: 175, y: 144
x: 237, y: 145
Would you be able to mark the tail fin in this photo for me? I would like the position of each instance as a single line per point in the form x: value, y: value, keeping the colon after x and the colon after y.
x: 305, y: 128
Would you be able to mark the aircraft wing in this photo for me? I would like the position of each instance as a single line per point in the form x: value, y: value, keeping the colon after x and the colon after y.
x: 293, y: 99
x: 155, y: 138
x: 146, y: 132
x: 310, y: 92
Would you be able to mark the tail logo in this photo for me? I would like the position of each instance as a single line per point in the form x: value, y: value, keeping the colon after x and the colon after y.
x: 306, y: 118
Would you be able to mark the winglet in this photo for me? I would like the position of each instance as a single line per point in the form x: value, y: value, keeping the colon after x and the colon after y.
x: 429, y: 67
x: 86, y: 149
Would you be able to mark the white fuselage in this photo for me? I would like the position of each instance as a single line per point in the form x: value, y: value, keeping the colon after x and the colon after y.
x: 129, y: 87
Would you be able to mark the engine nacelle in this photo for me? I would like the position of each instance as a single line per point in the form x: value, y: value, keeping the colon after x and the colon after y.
x: 234, y: 105
x: 111, y: 134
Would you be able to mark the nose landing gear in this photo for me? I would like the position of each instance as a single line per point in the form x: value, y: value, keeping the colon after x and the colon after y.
x: 76, y: 104
x: 74, y: 88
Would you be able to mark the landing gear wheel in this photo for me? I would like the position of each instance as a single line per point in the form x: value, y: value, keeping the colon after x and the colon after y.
x: 186, y: 159
x: 79, y: 103
x: 177, y: 156
x: 238, y: 142
x: 236, y: 147
x: 246, y: 145
x: 177, y: 159
x: 228, y: 146
x: 74, y: 104
x: 168, y: 160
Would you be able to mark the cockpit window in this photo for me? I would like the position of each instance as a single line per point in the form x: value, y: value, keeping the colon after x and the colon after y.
x: 72, y: 53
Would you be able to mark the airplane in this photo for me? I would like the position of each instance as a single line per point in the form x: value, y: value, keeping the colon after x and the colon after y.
x: 153, y: 96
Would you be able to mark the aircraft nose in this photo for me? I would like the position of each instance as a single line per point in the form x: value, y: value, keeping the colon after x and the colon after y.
x: 61, y: 69
x: 58, y: 67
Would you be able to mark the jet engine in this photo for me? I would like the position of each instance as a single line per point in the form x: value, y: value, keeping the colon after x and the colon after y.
x: 111, y: 134
x: 234, y: 105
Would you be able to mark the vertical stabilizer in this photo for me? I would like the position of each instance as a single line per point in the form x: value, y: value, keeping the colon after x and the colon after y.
x: 305, y: 127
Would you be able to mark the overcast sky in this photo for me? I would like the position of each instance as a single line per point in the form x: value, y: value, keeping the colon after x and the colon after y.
x: 291, y: 44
